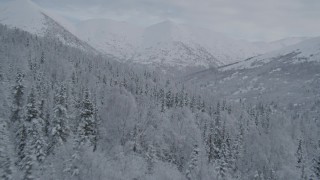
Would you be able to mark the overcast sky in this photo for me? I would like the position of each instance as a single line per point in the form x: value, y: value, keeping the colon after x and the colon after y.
x: 264, y: 20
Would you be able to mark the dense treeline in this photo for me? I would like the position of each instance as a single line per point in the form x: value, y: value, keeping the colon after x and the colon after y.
x: 69, y: 114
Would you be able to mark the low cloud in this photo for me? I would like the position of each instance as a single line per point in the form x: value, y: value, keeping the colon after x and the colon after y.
x: 246, y: 19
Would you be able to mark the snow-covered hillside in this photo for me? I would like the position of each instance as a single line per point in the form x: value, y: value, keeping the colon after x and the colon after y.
x: 289, y: 75
x: 169, y: 44
x: 119, y: 39
x: 174, y: 45
x: 165, y: 43
x: 305, y: 51
x: 279, y: 44
x: 26, y: 15
x: 223, y: 50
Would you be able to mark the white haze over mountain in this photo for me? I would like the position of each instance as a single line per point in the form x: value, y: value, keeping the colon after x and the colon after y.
x: 26, y: 15
x: 247, y: 19
x: 163, y: 44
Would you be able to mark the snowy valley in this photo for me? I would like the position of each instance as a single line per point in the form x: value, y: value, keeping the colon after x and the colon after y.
x: 94, y: 100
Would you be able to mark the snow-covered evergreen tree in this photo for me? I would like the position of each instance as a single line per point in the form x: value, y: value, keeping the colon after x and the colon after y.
x: 34, y: 151
x: 224, y: 160
x: 151, y: 158
x: 169, y: 101
x: 301, y: 160
x: 210, y: 144
x: 60, y: 126
x: 193, y: 104
x: 17, y: 121
x: 87, y: 126
x: 6, y: 161
x: 162, y: 100
x: 35, y: 128
x: 17, y: 105
x: 192, y: 171
x: 316, y: 163
x: 218, y: 134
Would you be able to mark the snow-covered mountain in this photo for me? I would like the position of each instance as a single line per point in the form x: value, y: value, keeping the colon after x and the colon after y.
x: 170, y: 44
x: 288, y: 75
x: 119, y: 39
x: 305, y: 51
x: 278, y: 44
x: 206, y: 47
x: 161, y: 44
x: 166, y: 44
x: 26, y: 15
x: 174, y: 45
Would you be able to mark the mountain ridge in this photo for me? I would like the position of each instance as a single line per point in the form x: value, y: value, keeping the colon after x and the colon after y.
x: 174, y: 45
x: 38, y: 21
x: 305, y: 51
x: 164, y: 44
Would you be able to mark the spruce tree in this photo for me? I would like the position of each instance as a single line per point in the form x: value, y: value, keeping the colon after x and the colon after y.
x: 300, y: 160
x: 204, y: 132
x: 6, y: 165
x: 218, y: 134
x: 35, y: 133
x: 162, y: 100
x: 237, y: 147
x: 181, y: 98
x: 18, y: 93
x: 222, y: 162
x: 35, y: 146
x: 316, y: 166
x: 60, y: 126
x: 192, y: 169
x: 169, y: 99
x: 203, y: 107
x: 316, y: 163
x: 210, y: 143
x: 193, y: 104
x: 21, y: 138
x: 151, y: 157
x: 87, y: 126
x: 17, y: 122
x: 72, y: 165
x: 186, y: 100
x: 199, y: 103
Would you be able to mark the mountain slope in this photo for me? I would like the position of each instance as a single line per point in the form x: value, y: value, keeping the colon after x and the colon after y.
x: 224, y: 49
x: 23, y: 14
x: 305, y: 51
x: 289, y: 75
x: 164, y: 44
x: 35, y: 20
x: 279, y: 44
x: 110, y: 37
x: 168, y: 44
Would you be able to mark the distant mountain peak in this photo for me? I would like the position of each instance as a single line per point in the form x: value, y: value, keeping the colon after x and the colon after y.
x: 28, y: 16
x: 167, y: 23
x: 23, y: 14
x: 304, y: 51
x: 166, y: 43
